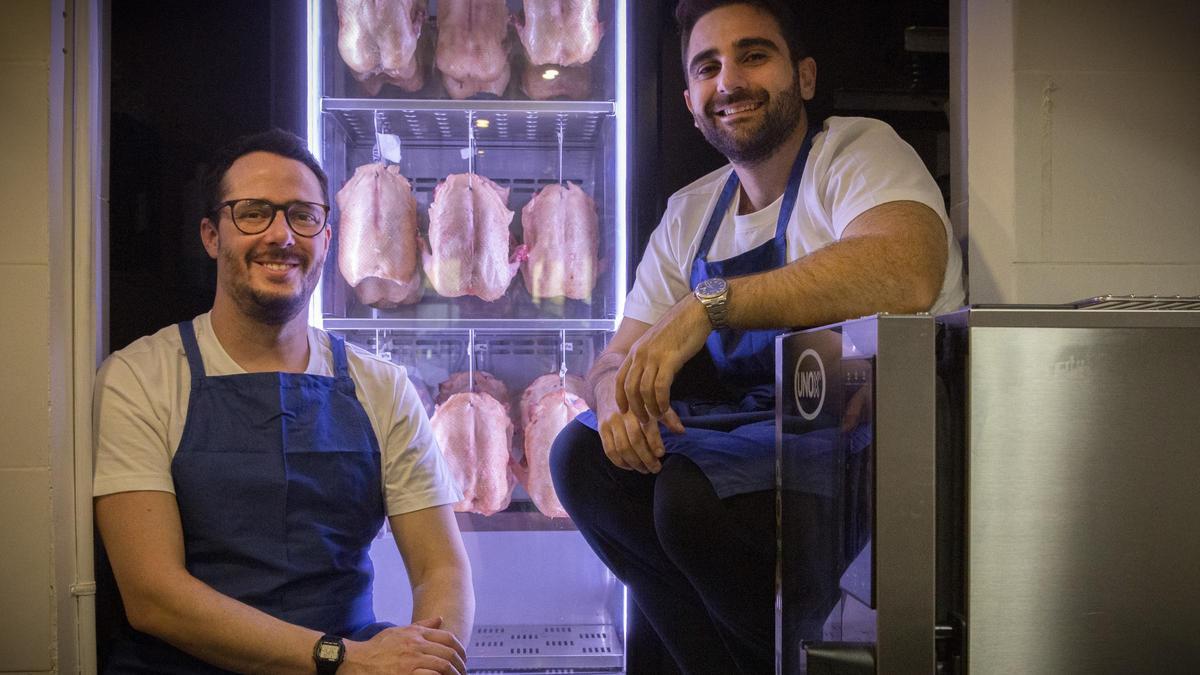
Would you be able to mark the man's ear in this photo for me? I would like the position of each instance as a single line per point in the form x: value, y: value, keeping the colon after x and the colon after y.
x: 807, y: 71
x: 209, y: 236
x: 687, y: 98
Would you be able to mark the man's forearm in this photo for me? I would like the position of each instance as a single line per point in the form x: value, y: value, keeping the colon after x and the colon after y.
x: 142, y: 535
x: 602, y: 380
x: 900, y: 272
x: 224, y: 632
x: 447, y: 593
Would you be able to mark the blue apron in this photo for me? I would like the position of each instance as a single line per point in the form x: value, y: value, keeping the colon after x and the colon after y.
x: 730, y: 427
x: 278, y: 481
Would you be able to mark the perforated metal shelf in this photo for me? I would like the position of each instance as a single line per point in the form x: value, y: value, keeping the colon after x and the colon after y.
x: 1174, y: 303
x: 546, y: 648
x: 441, y: 123
x: 443, y: 324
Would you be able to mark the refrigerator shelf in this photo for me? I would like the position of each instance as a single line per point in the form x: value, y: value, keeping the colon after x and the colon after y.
x: 463, y: 325
x: 573, y: 648
x: 478, y: 105
x: 520, y: 516
x: 524, y: 125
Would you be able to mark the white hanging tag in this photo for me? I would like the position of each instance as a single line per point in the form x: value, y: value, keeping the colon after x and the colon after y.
x: 465, y: 153
x: 389, y: 147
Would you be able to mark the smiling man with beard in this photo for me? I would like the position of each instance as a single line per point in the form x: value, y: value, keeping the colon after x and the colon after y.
x: 671, y: 480
x: 245, y: 461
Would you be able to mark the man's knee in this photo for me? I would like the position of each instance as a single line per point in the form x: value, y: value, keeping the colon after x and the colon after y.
x: 570, y: 460
x: 684, y: 500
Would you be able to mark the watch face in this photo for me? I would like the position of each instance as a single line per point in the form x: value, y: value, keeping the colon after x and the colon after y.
x: 328, y: 651
x: 711, y: 286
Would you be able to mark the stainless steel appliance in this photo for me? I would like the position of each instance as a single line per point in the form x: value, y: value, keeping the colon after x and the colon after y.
x: 856, y: 449
x: 1067, y: 451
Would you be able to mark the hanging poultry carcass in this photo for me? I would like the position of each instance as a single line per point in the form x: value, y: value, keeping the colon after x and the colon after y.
x: 475, y: 434
x: 562, y: 32
x: 562, y: 239
x: 377, y: 237
x: 472, y: 47
x: 471, y: 251
x: 380, y: 40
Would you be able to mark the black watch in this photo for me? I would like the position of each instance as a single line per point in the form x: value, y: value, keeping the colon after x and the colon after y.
x: 328, y: 654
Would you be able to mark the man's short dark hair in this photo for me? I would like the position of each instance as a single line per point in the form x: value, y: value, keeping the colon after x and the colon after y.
x: 689, y: 12
x: 276, y: 142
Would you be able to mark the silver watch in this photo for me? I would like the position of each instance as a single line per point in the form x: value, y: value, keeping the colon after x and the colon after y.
x: 713, y: 293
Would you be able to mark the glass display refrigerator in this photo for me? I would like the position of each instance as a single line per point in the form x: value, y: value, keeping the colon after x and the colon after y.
x: 477, y: 150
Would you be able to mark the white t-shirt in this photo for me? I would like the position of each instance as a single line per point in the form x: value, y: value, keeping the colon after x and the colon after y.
x: 855, y: 164
x: 141, y: 405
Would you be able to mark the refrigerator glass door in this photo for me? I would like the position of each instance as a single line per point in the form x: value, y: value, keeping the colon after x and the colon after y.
x: 469, y: 88
x: 855, y: 442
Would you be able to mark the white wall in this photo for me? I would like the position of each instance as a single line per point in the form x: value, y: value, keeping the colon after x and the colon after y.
x: 49, y: 184
x: 1083, y: 151
x: 26, y: 507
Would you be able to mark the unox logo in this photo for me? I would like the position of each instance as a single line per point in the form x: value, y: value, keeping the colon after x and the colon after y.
x: 809, y: 384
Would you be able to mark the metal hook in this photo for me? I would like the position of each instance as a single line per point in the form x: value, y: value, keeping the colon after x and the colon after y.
x: 376, y: 151
x: 470, y: 149
x: 471, y: 359
x: 561, y: 126
x: 562, y: 350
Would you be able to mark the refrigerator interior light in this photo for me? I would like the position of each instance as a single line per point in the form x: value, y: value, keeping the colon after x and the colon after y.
x: 549, y: 74
x: 622, y: 152
x: 313, y: 17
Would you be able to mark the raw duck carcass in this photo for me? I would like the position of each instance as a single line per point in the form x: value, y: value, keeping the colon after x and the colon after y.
x: 379, y: 40
x: 377, y: 237
x: 573, y: 83
x: 475, y: 434
x: 565, y: 32
x: 485, y: 383
x: 470, y: 247
x: 472, y: 47
x: 546, y: 384
x: 418, y: 383
x: 547, y: 417
x: 562, y: 241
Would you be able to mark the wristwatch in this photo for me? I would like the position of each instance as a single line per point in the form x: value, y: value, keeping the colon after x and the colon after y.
x: 713, y: 293
x: 328, y: 654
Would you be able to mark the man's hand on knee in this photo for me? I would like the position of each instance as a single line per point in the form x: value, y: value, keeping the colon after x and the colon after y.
x: 632, y: 444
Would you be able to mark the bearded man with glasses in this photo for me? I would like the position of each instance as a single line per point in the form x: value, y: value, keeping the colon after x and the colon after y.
x: 244, y: 462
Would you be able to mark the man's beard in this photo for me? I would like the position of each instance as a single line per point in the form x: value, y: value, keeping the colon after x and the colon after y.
x: 273, y: 309
x: 750, y: 146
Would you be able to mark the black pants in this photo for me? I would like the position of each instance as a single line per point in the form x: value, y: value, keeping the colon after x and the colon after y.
x: 701, y: 568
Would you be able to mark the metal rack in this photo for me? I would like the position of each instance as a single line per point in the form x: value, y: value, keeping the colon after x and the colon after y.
x: 1172, y: 303
x: 566, y: 648
x: 525, y: 124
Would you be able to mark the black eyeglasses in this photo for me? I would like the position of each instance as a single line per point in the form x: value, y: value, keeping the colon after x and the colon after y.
x: 252, y: 216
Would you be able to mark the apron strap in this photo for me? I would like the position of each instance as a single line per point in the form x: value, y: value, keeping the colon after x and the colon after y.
x: 191, y: 348
x: 790, y: 195
x: 717, y: 215
x: 341, y: 369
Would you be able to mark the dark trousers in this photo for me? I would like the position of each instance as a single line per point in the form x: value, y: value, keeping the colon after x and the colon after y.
x: 701, y: 568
